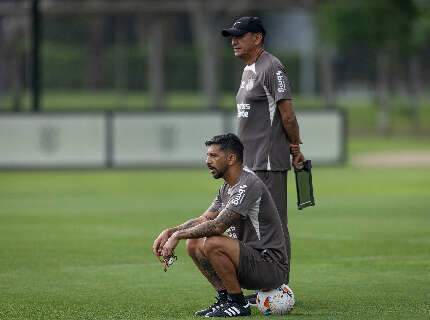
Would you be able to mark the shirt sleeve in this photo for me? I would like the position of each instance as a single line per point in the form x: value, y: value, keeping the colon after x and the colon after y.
x: 216, y: 204
x: 245, y: 198
x: 277, y: 83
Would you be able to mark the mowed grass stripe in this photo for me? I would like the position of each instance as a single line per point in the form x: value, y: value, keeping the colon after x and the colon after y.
x: 77, y: 245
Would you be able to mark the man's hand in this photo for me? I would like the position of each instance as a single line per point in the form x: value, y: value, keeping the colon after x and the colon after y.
x: 169, y: 246
x: 160, y: 242
x: 297, y: 155
x: 298, y: 160
x: 294, y: 149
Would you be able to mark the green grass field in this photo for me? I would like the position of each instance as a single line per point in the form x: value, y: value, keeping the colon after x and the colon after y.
x: 77, y: 245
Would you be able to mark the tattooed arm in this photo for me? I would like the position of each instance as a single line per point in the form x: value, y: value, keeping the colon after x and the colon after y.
x: 207, y: 216
x: 215, y: 227
x: 166, y: 234
x: 225, y: 219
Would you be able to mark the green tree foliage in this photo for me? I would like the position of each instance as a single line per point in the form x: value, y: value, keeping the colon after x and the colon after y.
x: 421, y: 26
x: 377, y: 23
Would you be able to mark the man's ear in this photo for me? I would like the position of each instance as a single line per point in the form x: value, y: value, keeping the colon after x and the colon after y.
x: 258, y: 38
x: 231, y: 158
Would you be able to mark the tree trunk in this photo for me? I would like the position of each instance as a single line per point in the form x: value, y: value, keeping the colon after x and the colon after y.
x: 3, y: 65
x: 307, y: 73
x: 415, y: 88
x: 95, y: 76
x: 327, y: 77
x: 207, y: 40
x: 13, y: 36
x: 156, y: 70
x: 120, y: 61
x: 16, y: 82
x: 383, y: 66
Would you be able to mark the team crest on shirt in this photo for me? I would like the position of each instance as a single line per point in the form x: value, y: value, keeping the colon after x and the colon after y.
x: 250, y: 84
x: 247, y: 85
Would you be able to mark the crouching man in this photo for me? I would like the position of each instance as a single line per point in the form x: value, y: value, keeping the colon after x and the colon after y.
x: 238, y: 242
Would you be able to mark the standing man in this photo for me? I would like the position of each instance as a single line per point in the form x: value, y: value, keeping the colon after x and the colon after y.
x: 268, y: 126
x: 253, y: 255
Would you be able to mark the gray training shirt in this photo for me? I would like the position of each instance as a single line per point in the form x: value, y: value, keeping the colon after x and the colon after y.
x: 260, y: 226
x: 264, y: 83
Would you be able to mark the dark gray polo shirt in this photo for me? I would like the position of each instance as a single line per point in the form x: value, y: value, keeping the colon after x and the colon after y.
x: 260, y: 226
x: 264, y: 83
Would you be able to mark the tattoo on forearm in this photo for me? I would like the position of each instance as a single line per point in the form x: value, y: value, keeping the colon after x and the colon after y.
x: 206, y: 229
x: 188, y: 224
x: 225, y: 219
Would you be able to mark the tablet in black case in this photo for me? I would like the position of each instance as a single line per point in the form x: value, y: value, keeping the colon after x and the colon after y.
x: 305, y: 192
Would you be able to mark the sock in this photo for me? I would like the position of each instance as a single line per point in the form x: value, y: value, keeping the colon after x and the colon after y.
x: 222, y: 295
x: 238, y: 298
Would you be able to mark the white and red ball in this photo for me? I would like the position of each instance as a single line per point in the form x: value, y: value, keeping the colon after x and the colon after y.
x: 279, y: 301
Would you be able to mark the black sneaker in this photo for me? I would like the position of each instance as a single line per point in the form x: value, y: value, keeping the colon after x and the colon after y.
x: 218, y: 304
x: 231, y: 309
x: 251, y: 299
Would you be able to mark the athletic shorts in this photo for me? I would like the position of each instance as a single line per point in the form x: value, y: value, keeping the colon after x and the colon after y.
x: 258, y: 270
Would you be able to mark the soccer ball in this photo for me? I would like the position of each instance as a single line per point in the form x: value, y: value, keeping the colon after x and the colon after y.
x: 277, y: 301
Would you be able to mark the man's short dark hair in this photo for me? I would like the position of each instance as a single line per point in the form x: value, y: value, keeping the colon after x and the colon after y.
x: 228, y: 142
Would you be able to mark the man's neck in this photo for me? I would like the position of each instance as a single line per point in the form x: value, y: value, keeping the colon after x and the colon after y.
x: 254, y: 56
x: 233, y: 174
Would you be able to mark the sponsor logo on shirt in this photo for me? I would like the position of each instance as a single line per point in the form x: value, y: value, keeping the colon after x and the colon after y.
x: 281, y: 82
x: 238, y: 198
x: 231, y: 232
x: 242, y: 110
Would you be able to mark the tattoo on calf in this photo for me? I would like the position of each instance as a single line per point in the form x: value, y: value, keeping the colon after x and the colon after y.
x: 209, y: 272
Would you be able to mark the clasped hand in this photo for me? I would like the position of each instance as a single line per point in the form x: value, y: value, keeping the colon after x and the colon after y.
x: 165, y: 244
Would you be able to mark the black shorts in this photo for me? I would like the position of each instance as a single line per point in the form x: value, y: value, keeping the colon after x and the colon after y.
x: 258, y: 270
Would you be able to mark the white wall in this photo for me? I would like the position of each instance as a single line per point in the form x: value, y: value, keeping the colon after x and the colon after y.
x: 58, y: 140
x: 52, y: 140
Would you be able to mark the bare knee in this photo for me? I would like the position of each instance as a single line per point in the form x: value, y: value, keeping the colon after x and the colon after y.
x: 193, y: 246
x: 212, y: 245
x: 219, y: 246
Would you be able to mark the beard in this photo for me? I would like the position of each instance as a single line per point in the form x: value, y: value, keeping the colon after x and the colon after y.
x: 218, y: 173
